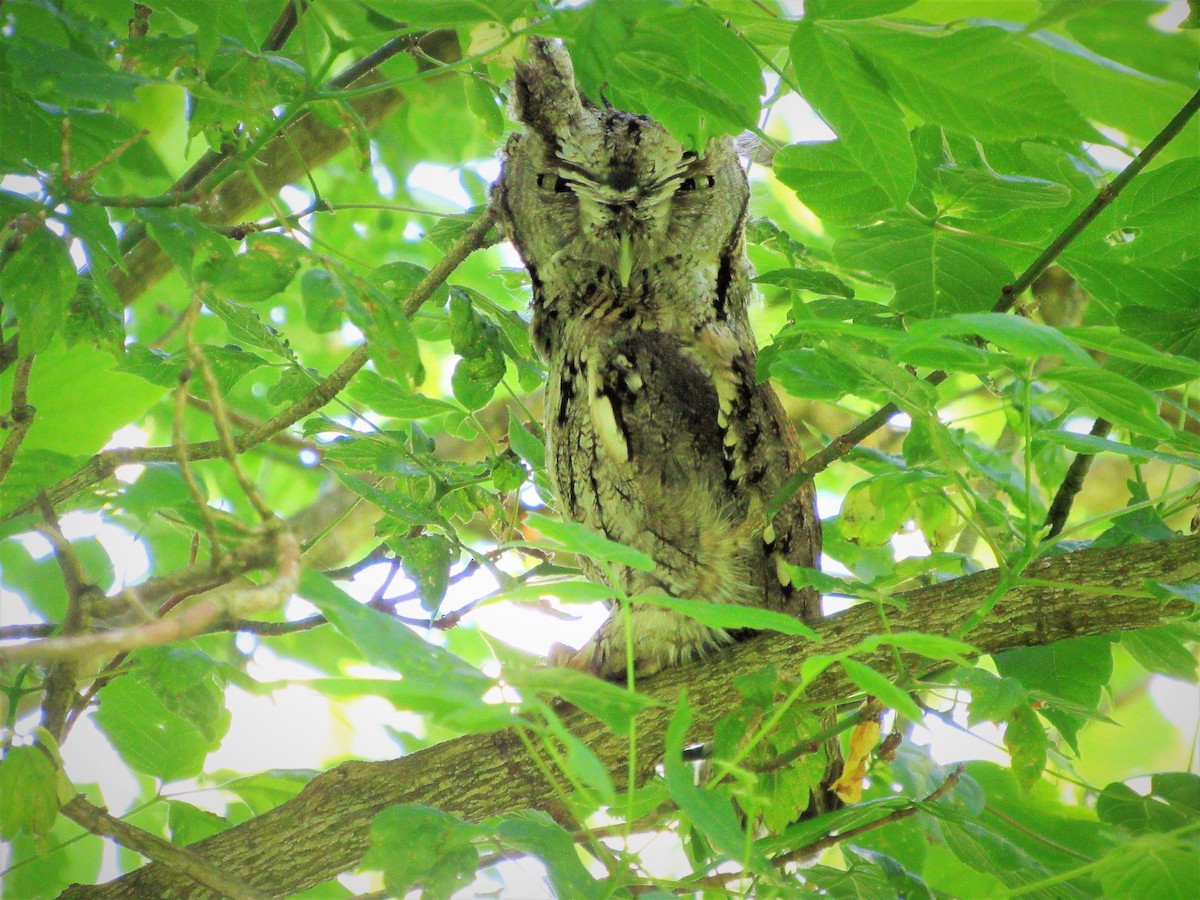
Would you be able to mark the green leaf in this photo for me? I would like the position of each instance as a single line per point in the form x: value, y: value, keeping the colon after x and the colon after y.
x: 1076, y: 670
x: 931, y: 646
x: 853, y: 9
x: 566, y: 591
x: 414, y: 844
x: 1116, y: 344
x: 247, y: 327
x: 1087, y: 443
x: 1162, y: 650
x: 583, y: 765
x: 1016, y: 334
x: 390, y: 644
x: 1116, y: 398
x: 29, y: 786
x: 189, y: 824
x: 1026, y: 741
x: 190, y: 244
x: 266, y: 790
x: 580, y: 539
x: 391, y: 399
x: 993, y: 699
x: 831, y: 182
x: 39, y: 68
x: 267, y: 266
x: 229, y: 365
x: 881, y: 687
x: 1153, y: 866
x: 93, y: 320
x: 731, y: 616
x: 534, y: 832
x: 808, y: 280
x: 530, y: 448
x: 934, y: 272
x: 37, y: 284
x: 876, y: 508
x: 423, y: 14
x: 657, y: 58
x: 1173, y: 802
x: 979, y: 81
x: 150, y: 737
x: 868, y: 123
x: 475, y: 379
x: 324, y: 296
x: 392, y: 502
x: 427, y: 559
x: 990, y: 853
x: 614, y: 705
x: 710, y: 812
x: 481, y: 368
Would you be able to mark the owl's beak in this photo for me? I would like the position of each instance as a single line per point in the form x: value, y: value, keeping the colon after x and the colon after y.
x: 624, y: 258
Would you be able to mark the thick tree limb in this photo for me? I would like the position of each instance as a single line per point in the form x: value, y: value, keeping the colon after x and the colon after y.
x: 323, y: 830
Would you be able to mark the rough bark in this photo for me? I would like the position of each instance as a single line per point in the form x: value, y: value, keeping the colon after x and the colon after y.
x: 323, y: 830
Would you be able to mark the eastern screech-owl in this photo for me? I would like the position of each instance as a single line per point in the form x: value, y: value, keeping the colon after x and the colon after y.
x: 658, y: 433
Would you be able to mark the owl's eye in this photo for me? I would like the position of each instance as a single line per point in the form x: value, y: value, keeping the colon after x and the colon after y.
x: 695, y: 183
x: 546, y: 180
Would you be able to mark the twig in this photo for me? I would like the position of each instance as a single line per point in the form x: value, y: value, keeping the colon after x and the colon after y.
x: 817, y: 847
x: 180, y: 445
x: 21, y: 632
x: 474, y: 238
x: 98, y: 821
x: 1060, y: 509
x: 383, y: 604
x: 225, y: 601
x: 282, y: 438
x: 1071, y: 486
x: 378, y: 553
x: 60, y: 680
x: 846, y: 442
x: 103, y: 464
x: 139, y: 26
x: 215, y: 160
x: 20, y: 417
x: 815, y: 742
x: 169, y: 200
x: 221, y: 421
x: 289, y: 18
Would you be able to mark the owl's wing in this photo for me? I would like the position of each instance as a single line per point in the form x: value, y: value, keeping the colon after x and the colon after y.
x: 761, y: 450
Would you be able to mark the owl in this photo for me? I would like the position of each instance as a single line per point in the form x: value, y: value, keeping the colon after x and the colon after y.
x: 659, y: 435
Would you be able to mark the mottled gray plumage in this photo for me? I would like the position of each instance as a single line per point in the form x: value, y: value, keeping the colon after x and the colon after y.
x: 658, y: 434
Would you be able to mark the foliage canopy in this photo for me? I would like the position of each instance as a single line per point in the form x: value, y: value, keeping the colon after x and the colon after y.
x: 271, y: 423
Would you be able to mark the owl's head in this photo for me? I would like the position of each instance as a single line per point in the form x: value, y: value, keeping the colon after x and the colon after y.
x: 605, y: 195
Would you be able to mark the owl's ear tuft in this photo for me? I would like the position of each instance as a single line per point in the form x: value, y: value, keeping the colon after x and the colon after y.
x: 544, y: 96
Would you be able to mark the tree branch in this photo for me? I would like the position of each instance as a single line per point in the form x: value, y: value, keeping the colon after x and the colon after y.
x: 323, y: 830
x: 224, y: 602
x: 20, y: 416
x: 181, y: 859
x: 298, y: 147
x: 846, y: 442
x: 1064, y: 499
x: 103, y: 464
